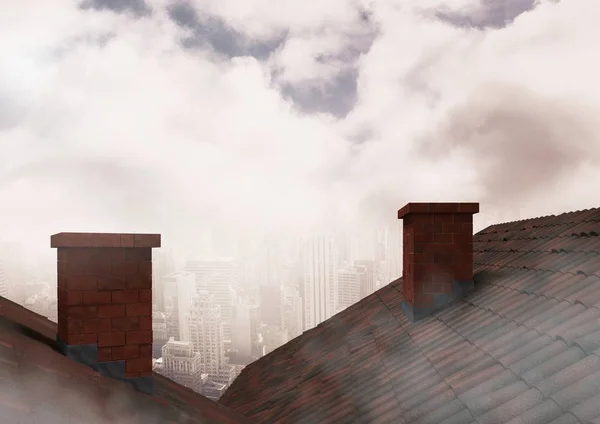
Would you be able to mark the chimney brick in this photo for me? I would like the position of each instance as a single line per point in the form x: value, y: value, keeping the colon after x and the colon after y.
x: 104, y: 293
x: 437, y: 255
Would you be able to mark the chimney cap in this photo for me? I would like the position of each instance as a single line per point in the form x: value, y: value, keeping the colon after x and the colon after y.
x: 437, y: 208
x: 104, y: 240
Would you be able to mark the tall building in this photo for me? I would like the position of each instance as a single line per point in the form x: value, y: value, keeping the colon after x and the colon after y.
x: 181, y: 286
x: 220, y: 277
x: 241, y: 330
x: 273, y: 337
x: 320, y: 280
x: 207, y: 337
x: 181, y: 364
x: 163, y: 264
x: 291, y: 311
x: 348, y: 288
x: 366, y: 273
x: 159, y: 332
x: 270, y: 304
x: 393, y: 252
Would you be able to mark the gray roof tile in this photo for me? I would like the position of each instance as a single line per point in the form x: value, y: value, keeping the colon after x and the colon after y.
x: 578, y: 392
x: 542, y: 413
x: 569, y: 375
x: 485, y: 402
x: 589, y: 409
x: 553, y: 365
x: 461, y: 417
x: 525, y: 350
x: 539, y: 357
x: 522, y: 402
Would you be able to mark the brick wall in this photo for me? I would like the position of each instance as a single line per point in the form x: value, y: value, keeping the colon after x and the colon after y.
x: 105, y: 302
x: 437, y: 255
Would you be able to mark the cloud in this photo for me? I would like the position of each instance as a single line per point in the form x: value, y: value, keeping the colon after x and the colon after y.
x: 275, y: 116
x: 486, y: 14
x: 136, y: 7
x: 210, y: 32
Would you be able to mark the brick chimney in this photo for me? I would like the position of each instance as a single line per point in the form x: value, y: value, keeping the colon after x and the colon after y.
x: 105, y: 303
x: 437, y: 255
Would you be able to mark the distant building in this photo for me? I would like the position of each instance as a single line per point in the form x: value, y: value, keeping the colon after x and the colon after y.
x: 219, y: 277
x: 393, y: 251
x: 181, y: 289
x: 241, y: 330
x: 291, y: 311
x: 273, y: 337
x: 160, y: 334
x: 270, y: 304
x: 43, y: 304
x: 206, y: 335
x: 366, y: 277
x: 212, y: 390
x: 181, y: 364
x: 163, y: 264
x: 348, y: 288
x: 320, y: 280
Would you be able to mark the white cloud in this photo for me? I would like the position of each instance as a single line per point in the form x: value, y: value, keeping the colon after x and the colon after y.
x: 109, y: 125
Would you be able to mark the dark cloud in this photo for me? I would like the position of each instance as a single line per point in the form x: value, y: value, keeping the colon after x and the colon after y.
x: 138, y: 8
x: 520, y: 143
x: 336, y: 97
x: 490, y: 14
x: 213, y: 33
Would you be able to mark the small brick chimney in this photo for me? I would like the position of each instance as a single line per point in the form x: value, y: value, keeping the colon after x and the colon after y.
x: 437, y: 255
x: 105, y: 303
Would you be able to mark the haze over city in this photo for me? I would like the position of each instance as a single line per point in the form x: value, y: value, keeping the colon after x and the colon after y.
x: 186, y: 118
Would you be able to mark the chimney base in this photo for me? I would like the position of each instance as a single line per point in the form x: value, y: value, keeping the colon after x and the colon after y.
x: 439, y: 301
x: 87, y: 354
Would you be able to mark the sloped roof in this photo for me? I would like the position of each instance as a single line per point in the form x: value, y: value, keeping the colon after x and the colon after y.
x: 39, y: 385
x: 523, y: 347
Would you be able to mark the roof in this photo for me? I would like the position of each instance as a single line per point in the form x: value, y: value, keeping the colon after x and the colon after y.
x: 522, y: 347
x: 39, y: 385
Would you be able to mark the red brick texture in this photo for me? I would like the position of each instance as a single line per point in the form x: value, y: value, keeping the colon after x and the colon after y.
x: 438, y: 249
x: 105, y: 295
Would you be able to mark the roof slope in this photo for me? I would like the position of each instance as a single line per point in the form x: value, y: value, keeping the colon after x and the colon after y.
x: 39, y: 385
x: 521, y: 348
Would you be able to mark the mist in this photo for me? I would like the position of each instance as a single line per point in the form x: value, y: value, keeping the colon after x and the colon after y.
x: 183, y: 118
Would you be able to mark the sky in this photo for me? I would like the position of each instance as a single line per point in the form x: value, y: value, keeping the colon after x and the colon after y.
x: 270, y: 116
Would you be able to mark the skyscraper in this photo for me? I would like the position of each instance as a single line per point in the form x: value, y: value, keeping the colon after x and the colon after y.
x: 291, y: 311
x: 163, y: 264
x: 241, y: 330
x: 184, y: 285
x: 206, y: 334
x: 219, y: 277
x: 159, y: 332
x: 348, y: 288
x: 393, y: 251
x: 365, y: 272
x: 320, y: 280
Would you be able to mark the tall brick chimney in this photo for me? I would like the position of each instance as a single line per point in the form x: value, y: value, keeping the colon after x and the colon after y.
x: 437, y: 255
x: 105, y: 303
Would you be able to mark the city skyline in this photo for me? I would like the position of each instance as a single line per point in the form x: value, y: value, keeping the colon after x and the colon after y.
x: 212, y: 317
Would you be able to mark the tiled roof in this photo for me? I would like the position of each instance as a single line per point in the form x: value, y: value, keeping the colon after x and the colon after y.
x: 523, y: 347
x: 39, y: 385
